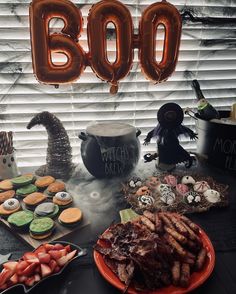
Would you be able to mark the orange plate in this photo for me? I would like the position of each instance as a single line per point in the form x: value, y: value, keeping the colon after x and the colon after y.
x: 197, y: 278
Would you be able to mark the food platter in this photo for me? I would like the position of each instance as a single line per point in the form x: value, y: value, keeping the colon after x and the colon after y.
x: 196, y: 279
x: 27, y: 288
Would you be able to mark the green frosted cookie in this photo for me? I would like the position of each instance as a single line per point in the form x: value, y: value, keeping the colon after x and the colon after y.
x: 21, y: 219
x: 26, y: 190
x: 41, y: 226
x: 22, y: 181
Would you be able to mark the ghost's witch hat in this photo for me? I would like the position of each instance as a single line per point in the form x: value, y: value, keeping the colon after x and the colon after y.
x: 170, y: 115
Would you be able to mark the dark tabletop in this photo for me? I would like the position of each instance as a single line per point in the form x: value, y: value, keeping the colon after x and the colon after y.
x: 82, y: 276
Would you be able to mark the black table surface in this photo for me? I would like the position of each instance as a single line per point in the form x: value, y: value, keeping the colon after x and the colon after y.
x: 82, y: 276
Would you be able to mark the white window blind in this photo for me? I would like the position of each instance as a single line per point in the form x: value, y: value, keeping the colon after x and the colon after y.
x: 208, y: 53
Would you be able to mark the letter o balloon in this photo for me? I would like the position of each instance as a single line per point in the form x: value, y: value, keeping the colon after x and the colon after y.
x: 160, y: 13
x: 100, y: 15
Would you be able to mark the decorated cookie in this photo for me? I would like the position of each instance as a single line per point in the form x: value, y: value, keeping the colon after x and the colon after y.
x: 26, y: 190
x: 201, y: 186
x: 152, y: 182
x: 34, y: 199
x: 188, y: 180
x: 161, y: 188
x: 9, y: 206
x: 22, y: 181
x: 6, y: 185
x: 144, y: 190
x: 41, y: 228
x: 168, y: 197
x: 192, y: 198
x: 44, y: 182
x: 170, y: 180
x: 20, y: 219
x: 6, y: 195
x: 46, y: 209
x: 145, y: 201
x: 182, y: 189
x: 135, y: 182
x: 56, y: 187
x: 70, y: 216
x: 212, y: 196
x: 63, y: 199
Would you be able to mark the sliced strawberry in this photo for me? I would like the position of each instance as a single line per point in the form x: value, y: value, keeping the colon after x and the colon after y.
x: 3, y: 287
x: 53, y: 264
x: 48, y: 247
x: 37, y: 277
x: 58, y: 246
x: 22, y: 279
x: 55, y: 254
x: 40, y: 249
x: 44, y: 257
x: 62, y: 261
x: 71, y: 254
x: 14, y: 279
x: 63, y: 252
x: 30, y: 281
x: 31, y: 257
x: 57, y: 269
x: 5, y: 276
x: 30, y: 270
x: 45, y: 270
x: 38, y: 269
x: 68, y: 249
x: 21, y: 266
x: 11, y: 265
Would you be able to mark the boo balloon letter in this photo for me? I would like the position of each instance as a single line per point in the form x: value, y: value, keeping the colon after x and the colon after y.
x: 44, y: 43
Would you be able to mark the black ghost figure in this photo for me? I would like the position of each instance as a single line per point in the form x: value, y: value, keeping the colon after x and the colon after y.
x: 170, y: 117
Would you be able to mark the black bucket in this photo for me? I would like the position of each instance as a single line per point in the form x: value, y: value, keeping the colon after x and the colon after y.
x: 217, y: 142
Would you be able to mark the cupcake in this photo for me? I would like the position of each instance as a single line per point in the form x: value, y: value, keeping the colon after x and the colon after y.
x: 46, y: 209
x: 70, y: 217
x: 34, y: 199
x: 21, y: 220
x: 26, y: 190
x: 43, y: 182
x: 5, y: 195
x: 41, y: 228
x: 9, y: 207
x: 56, y: 187
x: 63, y: 199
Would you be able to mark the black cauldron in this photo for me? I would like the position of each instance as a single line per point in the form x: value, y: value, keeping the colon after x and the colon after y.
x: 110, y: 149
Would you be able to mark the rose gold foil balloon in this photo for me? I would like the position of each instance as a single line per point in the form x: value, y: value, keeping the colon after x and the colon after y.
x: 44, y: 44
x: 100, y: 15
x: 160, y: 13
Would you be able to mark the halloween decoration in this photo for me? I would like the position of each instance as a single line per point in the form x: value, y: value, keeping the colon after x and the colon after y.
x: 59, y: 156
x: 101, y: 14
x: 43, y: 43
x: 181, y: 198
x: 212, y: 196
x: 8, y: 166
x: 110, y: 149
x: 135, y: 182
x: 170, y: 152
x: 160, y: 13
x: 201, y: 186
x: 205, y: 109
x: 192, y: 198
